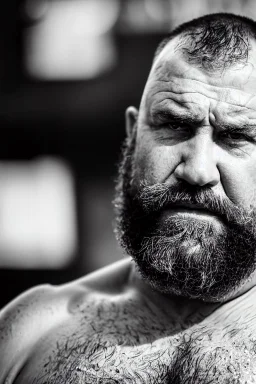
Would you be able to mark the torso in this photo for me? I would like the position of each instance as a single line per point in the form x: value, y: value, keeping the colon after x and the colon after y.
x: 119, y: 338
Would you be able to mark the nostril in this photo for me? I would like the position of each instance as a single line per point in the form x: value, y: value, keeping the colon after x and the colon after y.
x: 197, y: 175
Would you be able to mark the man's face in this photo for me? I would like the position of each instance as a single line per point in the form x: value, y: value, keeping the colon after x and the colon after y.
x: 187, y: 211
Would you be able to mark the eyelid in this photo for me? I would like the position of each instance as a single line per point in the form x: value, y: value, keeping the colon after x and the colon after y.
x: 161, y: 117
x: 244, y: 138
x: 181, y: 126
x: 238, y: 131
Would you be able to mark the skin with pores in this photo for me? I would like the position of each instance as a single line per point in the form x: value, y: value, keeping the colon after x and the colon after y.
x: 110, y: 326
x: 208, y: 104
x: 183, y: 129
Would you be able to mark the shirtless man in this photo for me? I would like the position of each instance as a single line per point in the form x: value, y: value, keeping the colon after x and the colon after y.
x: 182, y: 307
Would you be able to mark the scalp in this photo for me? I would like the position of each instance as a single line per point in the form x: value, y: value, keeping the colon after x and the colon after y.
x: 214, y: 42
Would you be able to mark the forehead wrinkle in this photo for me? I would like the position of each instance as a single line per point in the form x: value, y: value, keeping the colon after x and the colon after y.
x: 195, y: 114
x: 180, y: 88
x: 195, y: 103
x: 224, y: 118
x: 155, y: 97
x: 182, y: 100
x: 175, y: 71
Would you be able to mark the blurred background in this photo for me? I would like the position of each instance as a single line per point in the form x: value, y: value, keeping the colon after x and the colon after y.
x: 68, y: 70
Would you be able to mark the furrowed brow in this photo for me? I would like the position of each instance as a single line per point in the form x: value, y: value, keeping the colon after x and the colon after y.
x: 246, y: 128
x: 167, y: 115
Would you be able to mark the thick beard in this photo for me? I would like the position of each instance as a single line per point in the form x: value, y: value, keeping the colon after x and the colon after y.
x: 183, y: 256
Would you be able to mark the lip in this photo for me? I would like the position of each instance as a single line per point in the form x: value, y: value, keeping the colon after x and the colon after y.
x: 190, y: 209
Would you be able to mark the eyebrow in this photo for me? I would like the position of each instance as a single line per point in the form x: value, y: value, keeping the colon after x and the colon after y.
x: 194, y: 120
x: 187, y: 118
x: 245, y: 127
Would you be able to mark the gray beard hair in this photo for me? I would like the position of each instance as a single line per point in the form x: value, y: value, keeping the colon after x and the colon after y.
x: 194, y: 251
x: 184, y: 256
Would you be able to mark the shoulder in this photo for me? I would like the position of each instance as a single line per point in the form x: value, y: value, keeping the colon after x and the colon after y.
x: 28, y: 317
x: 20, y: 323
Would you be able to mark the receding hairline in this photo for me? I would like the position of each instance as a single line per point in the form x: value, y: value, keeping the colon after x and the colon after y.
x: 213, y: 41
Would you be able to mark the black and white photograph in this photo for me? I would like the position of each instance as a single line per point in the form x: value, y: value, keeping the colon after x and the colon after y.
x: 128, y: 192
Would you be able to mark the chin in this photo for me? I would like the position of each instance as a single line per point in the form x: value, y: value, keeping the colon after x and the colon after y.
x: 190, y: 268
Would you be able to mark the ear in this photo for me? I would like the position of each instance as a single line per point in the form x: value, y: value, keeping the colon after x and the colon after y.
x: 131, y: 116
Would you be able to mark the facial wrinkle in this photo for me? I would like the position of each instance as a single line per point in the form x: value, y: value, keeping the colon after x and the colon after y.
x: 182, y: 69
x: 220, y: 92
x: 200, y: 109
x: 223, y: 117
x: 183, y: 105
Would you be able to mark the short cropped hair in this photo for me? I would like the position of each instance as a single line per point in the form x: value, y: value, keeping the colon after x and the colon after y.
x: 214, y: 42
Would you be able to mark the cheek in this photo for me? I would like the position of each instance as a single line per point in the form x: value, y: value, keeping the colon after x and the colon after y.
x: 239, y: 182
x: 155, y: 164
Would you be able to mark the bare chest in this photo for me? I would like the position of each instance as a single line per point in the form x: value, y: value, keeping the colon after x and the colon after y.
x: 121, y: 345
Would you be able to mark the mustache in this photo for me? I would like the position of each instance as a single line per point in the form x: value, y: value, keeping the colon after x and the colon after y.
x: 157, y: 197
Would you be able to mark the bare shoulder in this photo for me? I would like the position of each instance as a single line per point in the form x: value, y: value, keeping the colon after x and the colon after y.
x: 20, y: 308
x: 33, y: 313
x: 20, y: 323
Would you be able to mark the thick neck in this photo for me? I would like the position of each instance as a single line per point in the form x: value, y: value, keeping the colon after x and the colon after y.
x: 184, y: 310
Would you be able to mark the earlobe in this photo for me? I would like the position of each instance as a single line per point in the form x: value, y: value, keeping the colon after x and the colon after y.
x: 131, y: 116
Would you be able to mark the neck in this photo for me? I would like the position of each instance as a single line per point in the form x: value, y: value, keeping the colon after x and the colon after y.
x: 186, y: 311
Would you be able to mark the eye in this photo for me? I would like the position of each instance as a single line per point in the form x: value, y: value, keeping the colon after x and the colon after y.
x: 177, y: 126
x: 173, y: 131
x: 236, y: 139
x: 174, y: 127
x: 234, y: 136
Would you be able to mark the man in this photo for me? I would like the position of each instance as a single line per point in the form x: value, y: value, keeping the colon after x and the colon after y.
x: 183, y: 309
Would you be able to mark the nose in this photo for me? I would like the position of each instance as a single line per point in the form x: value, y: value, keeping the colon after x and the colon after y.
x: 198, y: 164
